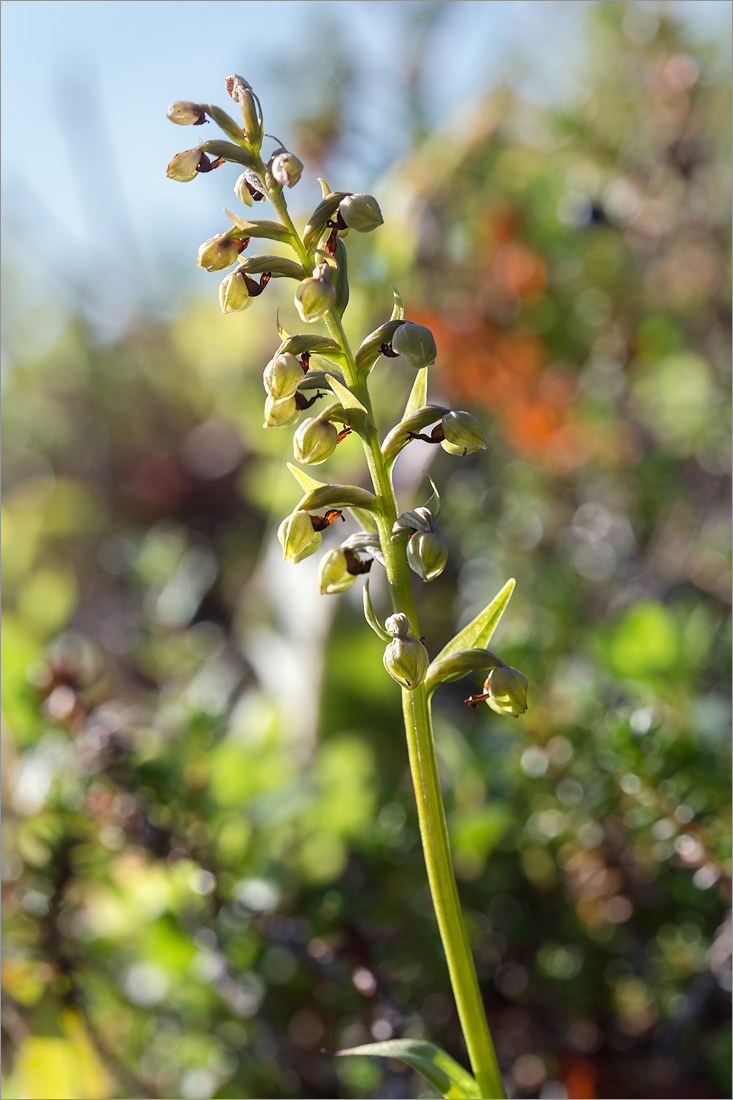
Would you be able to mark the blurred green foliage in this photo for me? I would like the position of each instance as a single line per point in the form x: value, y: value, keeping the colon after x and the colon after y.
x: 211, y: 857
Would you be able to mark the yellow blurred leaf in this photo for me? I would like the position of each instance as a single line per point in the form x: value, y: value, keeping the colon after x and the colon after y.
x: 60, y: 1068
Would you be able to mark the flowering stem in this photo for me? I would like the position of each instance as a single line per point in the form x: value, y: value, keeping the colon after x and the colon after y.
x: 418, y: 728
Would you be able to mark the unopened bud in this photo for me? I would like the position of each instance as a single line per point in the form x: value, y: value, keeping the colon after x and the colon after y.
x: 315, y: 296
x: 279, y: 414
x: 361, y: 212
x: 506, y: 689
x: 334, y: 574
x: 315, y: 440
x: 286, y: 169
x: 463, y: 434
x: 185, y: 113
x: 427, y: 553
x: 240, y: 90
x: 405, y: 658
x: 282, y: 376
x: 234, y: 295
x: 416, y: 343
x: 297, y: 537
x: 217, y: 253
x: 184, y: 166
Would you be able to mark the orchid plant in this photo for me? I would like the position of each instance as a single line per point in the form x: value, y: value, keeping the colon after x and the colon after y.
x: 311, y: 365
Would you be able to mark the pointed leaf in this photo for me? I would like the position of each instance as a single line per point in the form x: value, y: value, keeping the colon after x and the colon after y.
x: 325, y: 189
x: 298, y: 345
x: 227, y: 151
x: 399, y: 437
x: 338, y: 496
x: 433, y: 504
x: 418, y: 394
x: 277, y: 266
x: 314, y: 380
x: 226, y: 123
x: 344, y: 395
x: 443, y: 1072
x: 274, y: 231
x: 366, y: 519
x: 306, y: 482
x: 280, y: 330
x: 370, y: 349
x: 321, y: 216
x: 477, y: 634
x: 398, y: 310
x: 342, y: 278
x: 379, y: 630
x: 457, y: 665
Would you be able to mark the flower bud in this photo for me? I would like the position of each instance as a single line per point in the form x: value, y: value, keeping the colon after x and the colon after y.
x: 463, y: 434
x: 279, y: 414
x: 242, y: 191
x: 282, y: 376
x: 235, y: 85
x: 286, y: 169
x: 315, y: 440
x: 217, y: 253
x: 241, y: 91
x: 184, y: 166
x: 507, y: 690
x: 361, y: 212
x: 334, y: 575
x: 405, y: 658
x: 427, y: 553
x: 416, y: 343
x: 234, y: 295
x: 297, y: 537
x: 314, y: 297
x: 185, y: 113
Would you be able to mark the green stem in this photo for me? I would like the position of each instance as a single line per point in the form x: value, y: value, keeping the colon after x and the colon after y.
x: 420, y: 742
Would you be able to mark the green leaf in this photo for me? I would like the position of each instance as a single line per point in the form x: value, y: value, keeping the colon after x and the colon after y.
x: 306, y: 482
x: 433, y: 504
x: 369, y: 350
x: 314, y: 380
x: 338, y: 496
x: 321, y: 216
x: 274, y: 231
x: 398, y: 310
x: 325, y: 189
x: 366, y: 519
x: 277, y: 266
x: 226, y: 123
x: 457, y: 665
x: 227, y: 151
x: 342, y: 279
x: 477, y: 634
x: 345, y: 395
x: 399, y: 437
x: 379, y: 630
x: 298, y: 345
x: 418, y: 398
x: 443, y: 1072
x: 280, y: 330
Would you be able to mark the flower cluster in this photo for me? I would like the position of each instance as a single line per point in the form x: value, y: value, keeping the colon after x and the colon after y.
x: 307, y: 367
